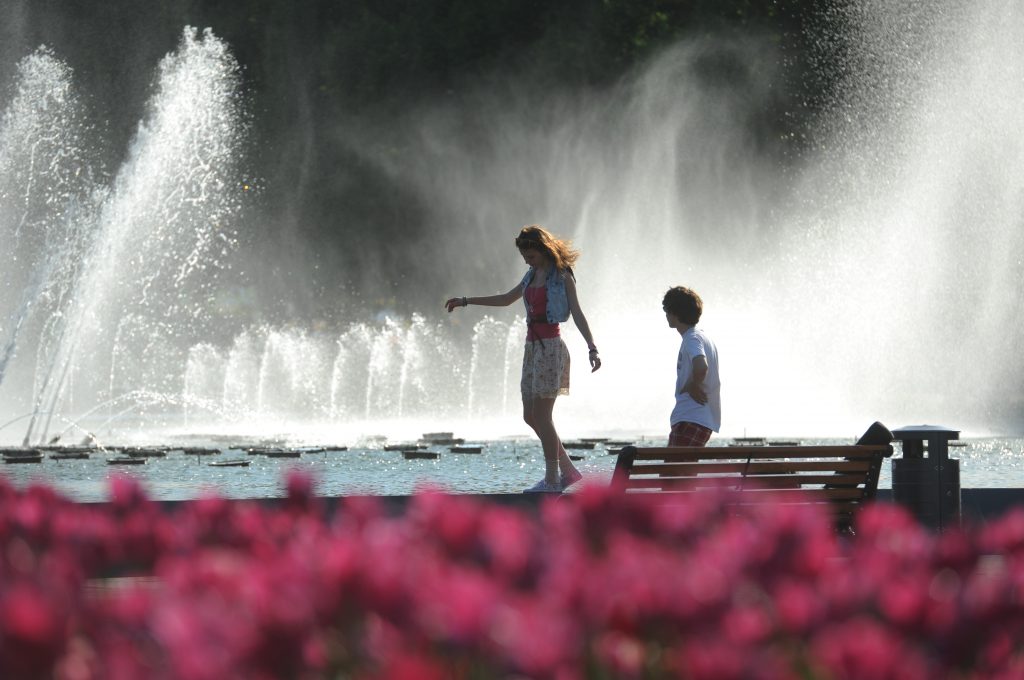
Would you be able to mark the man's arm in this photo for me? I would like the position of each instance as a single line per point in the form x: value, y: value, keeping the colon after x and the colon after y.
x: 695, y: 385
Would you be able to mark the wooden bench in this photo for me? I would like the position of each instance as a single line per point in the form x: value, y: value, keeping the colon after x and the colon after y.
x: 842, y: 478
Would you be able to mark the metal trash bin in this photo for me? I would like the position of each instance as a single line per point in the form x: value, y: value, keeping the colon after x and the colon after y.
x: 927, y: 486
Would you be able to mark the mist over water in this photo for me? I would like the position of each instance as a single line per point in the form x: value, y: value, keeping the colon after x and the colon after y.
x: 917, y: 208
x: 878, y: 277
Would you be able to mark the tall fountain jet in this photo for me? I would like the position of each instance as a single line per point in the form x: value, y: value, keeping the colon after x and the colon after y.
x: 114, y: 280
x: 47, y: 187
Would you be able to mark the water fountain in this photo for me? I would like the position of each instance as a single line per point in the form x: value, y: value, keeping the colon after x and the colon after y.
x: 878, y: 278
x: 114, y: 275
x: 45, y: 186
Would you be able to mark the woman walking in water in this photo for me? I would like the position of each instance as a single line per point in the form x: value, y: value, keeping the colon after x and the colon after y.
x: 549, y: 292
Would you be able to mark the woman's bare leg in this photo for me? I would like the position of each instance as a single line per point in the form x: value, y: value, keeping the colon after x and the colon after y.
x: 538, y: 414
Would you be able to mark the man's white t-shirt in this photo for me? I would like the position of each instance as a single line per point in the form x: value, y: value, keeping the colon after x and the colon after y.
x: 696, y: 343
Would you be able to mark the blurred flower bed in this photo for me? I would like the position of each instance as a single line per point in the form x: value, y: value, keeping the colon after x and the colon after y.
x: 594, y: 585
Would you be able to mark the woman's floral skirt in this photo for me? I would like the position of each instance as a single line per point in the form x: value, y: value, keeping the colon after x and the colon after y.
x: 545, y: 369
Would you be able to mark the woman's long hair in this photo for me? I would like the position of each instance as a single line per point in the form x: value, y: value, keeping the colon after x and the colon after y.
x: 560, y: 250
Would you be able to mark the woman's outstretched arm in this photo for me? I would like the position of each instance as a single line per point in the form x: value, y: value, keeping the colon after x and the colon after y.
x: 503, y: 300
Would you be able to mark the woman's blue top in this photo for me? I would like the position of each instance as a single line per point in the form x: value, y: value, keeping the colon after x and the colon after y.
x: 558, y: 301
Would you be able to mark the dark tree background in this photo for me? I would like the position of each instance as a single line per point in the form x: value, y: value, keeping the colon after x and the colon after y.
x: 313, y: 65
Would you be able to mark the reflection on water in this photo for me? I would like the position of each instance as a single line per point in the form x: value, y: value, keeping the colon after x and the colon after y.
x: 504, y: 466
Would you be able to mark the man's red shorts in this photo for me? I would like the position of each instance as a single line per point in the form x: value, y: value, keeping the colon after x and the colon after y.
x: 688, y: 434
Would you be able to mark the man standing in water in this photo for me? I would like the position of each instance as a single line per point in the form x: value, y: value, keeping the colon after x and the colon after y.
x: 698, y: 409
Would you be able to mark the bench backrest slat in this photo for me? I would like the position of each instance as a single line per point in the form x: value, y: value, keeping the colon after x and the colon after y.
x: 749, y: 481
x: 685, y: 484
x: 841, y: 477
x: 685, y: 453
x: 749, y: 469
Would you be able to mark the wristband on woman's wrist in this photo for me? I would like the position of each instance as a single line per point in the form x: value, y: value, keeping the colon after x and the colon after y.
x: 465, y: 302
x: 593, y: 350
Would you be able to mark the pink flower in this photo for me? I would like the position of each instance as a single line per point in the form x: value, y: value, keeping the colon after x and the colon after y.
x: 598, y: 583
x: 88, y: 533
x: 798, y: 606
x: 389, y: 561
x: 413, y: 666
x: 126, y: 493
x: 508, y: 538
x: 452, y: 521
x: 357, y: 511
x: 623, y: 655
x: 746, y: 625
x: 338, y: 567
x: 31, y: 515
x: 32, y: 631
x: 1004, y: 535
x: 536, y: 638
x: 455, y: 604
x: 904, y: 598
x: 300, y: 492
x: 708, y: 657
x: 864, y: 649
